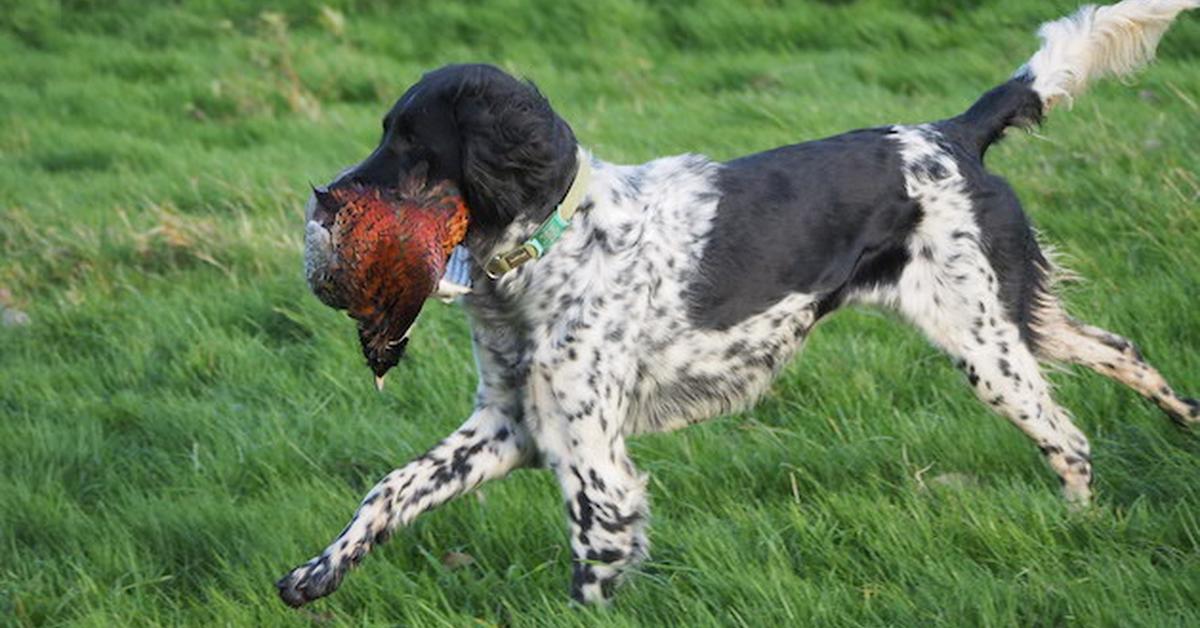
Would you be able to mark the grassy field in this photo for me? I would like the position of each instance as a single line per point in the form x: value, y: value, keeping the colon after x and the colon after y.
x: 181, y: 422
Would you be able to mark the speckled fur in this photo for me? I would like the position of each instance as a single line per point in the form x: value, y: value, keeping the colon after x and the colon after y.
x: 599, y: 340
x: 593, y: 343
x: 578, y: 351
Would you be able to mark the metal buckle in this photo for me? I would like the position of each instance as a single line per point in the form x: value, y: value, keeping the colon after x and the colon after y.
x: 503, y: 262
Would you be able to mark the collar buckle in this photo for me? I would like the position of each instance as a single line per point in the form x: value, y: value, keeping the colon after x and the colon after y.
x: 503, y: 262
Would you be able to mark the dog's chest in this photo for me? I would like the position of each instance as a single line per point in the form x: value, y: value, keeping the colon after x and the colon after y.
x: 611, y: 303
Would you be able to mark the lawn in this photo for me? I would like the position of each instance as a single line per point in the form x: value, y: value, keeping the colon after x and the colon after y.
x: 181, y: 422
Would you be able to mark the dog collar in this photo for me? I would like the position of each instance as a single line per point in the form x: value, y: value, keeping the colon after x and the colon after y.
x: 551, y: 229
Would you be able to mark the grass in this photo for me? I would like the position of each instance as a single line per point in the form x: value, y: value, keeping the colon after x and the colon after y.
x: 181, y: 422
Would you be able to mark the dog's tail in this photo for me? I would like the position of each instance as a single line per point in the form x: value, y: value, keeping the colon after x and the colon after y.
x: 1093, y: 43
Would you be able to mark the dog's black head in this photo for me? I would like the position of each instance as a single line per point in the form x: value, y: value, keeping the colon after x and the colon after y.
x: 493, y: 136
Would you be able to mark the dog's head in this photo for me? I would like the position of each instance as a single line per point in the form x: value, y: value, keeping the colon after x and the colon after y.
x: 470, y: 128
x: 492, y: 136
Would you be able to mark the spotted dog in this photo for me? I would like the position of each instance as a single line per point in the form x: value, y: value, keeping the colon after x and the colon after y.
x: 682, y: 286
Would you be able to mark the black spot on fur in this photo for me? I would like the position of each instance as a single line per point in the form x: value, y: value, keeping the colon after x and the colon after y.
x: 582, y: 574
x: 608, y: 555
x: 585, y: 574
x: 608, y: 586
x: 459, y: 464
x: 585, y: 515
x: 1120, y: 344
x: 929, y: 168
x: 619, y: 523
x: 597, y: 481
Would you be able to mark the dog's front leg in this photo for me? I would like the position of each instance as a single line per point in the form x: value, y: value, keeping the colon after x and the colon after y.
x: 580, y: 412
x: 489, y: 445
x: 607, y: 507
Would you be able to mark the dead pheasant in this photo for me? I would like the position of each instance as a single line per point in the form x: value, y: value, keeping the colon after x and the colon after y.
x: 379, y: 254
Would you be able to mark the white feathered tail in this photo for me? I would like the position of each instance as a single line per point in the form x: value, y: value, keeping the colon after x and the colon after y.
x: 1096, y: 42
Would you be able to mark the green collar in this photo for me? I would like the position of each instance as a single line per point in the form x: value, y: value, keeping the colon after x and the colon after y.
x: 552, y: 228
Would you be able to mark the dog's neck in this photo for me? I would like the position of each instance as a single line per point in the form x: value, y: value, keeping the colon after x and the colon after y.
x: 500, y: 303
x: 485, y: 244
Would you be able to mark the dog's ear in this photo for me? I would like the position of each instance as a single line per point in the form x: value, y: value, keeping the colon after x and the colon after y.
x: 518, y: 156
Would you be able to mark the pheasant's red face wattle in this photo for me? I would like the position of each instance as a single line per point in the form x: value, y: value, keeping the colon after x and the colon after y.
x: 388, y: 251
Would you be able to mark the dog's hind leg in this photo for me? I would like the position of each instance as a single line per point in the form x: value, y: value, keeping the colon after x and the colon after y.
x: 950, y: 292
x: 1007, y: 377
x: 486, y: 447
x: 1062, y: 338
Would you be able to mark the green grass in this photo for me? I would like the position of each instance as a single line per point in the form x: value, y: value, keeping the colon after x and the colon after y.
x: 182, y: 422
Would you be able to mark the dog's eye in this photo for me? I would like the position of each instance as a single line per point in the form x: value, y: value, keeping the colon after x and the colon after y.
x: 401, y: 140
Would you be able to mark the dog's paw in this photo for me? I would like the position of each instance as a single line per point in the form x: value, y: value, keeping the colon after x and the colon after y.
x: 1185, y: 416
x: 1193, y: 409
x: 314, y: 579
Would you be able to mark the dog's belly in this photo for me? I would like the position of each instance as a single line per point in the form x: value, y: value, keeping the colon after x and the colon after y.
x: 689, y: 376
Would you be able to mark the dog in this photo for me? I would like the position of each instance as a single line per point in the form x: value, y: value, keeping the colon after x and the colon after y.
x: 679, y: 288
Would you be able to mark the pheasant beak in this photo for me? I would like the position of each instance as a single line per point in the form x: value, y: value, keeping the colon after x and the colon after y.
x: 324, y: 210
x: 379, y: 382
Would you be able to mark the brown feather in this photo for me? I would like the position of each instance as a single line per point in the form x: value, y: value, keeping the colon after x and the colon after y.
x: 391, y: 249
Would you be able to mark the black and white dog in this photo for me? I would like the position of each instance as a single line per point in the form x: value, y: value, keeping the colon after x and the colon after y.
x: 682, y: 286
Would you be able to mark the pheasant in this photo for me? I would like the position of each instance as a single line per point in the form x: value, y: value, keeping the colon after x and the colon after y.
x: 379, y: 254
